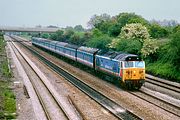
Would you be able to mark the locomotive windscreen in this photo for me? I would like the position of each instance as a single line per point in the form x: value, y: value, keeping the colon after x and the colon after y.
x: 133, y: 58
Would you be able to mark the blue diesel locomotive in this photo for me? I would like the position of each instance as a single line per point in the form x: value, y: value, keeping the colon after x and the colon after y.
x: 128, y: 69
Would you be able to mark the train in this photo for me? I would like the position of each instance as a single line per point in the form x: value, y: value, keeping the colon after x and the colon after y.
x: 127, y: 69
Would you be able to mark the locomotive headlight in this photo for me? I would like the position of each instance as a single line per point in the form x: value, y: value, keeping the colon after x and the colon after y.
x: 134, y: 71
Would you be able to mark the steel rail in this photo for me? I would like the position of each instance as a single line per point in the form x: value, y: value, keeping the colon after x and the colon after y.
x: 36, y: 91
x: 38, y: 94
x: 170, y: 111
x: 163, y: 84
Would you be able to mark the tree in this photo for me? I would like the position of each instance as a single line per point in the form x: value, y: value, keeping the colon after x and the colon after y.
x: 176, y: 29
x: 75, y: 39
x: 99, y: 40
x: 96, y: 20
x: 126, y: 45
x: 122, y: 19
x: 127, y: 18
x: 175, y: 48
x: 149, y: 47
x: 45, y: 35
x: 60, y: 35
x: 156, y: 31
x: 68, y: 34
x: 134, y: 31
x: 53, y: 36
x: 79, y: 28
x: 134, y: 38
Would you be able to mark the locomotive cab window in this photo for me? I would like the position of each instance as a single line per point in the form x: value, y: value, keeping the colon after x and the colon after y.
x: 128, y: 64
x: 139, y: 64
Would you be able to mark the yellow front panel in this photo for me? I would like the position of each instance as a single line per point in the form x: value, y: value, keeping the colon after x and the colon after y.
x: 133, y: 74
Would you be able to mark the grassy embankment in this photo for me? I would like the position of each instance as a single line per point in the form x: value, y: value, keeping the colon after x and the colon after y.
x: 164, y: 67
x: 7, y: 97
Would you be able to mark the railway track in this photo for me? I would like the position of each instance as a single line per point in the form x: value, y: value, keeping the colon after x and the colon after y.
x: 50, y: 98
x: 153, y: 98
x: 170, y: 90
x: 161, y: 103
x: 104, y: 101
x: 163, y: 83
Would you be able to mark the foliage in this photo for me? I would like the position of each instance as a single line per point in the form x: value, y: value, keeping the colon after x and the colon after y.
x: 156, y: 31
x: 176, y: 29
x: 114, y: 30
x: 164, y: 70
x: 53, y: 36
x: 99, y: 40
x: 7, y: 102
x: 134, y: 38
x: 134, y: 31
x: 57, y: 36
x: 75, y: 39
x: 5, y: 69
x: 127, y: 18
x: 1, y: 34
x: 67, y: 34
x: 96, y: 20
x: 175, y: 48
x: 69, y: 28
x: 45, y: 35
x: 167, y: 59
x: 112, y: 25
x: 149, y: 47
x: 79, y: 28
x: 2, y: 44
x: 127, y: 45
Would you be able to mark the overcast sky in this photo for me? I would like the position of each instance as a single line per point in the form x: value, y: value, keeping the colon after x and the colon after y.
x: 30, y: 13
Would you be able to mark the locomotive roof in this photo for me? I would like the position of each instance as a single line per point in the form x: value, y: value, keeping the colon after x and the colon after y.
x: 54, y: 42
x: 118, y: 55
x: 88, y: 49
x: 42, y: 39
x: 71, y: 46
x: 61, y: 44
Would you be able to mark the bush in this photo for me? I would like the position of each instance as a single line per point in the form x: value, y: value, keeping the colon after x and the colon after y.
x: 164, y: 70
x: 134, y: 31
x: 156, y: 31
x: 99, y: 40
x: 149, y: 47
x: 127, y: 45
x: 175, y: 49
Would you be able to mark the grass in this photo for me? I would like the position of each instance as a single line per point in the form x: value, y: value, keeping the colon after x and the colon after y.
x: 7, y: 97
x: 163, y: 70
x: 163, y: 66
x: 5, y: 69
